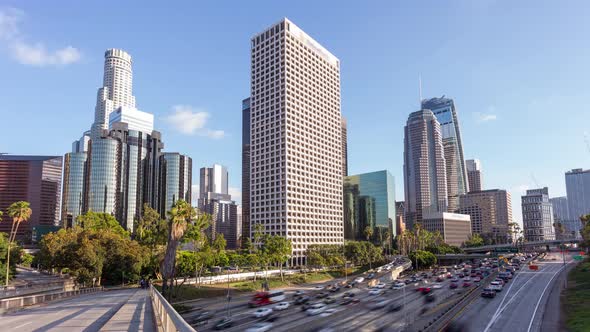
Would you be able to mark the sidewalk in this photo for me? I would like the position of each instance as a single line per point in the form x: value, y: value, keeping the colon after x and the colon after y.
x: 135, y: 315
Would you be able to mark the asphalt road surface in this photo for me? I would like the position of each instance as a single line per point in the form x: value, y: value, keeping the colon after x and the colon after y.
x: 520, y: 305
x: 120, y: 310
x: 357, y: 317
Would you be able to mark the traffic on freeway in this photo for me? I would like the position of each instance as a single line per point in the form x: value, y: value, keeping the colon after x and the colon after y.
x: 366, y: 303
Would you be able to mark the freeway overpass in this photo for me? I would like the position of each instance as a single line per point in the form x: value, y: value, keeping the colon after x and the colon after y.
x: 531, y: 244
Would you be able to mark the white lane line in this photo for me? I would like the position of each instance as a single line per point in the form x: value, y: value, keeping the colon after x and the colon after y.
x: 512, y: 298
x: 494, y: 317
x: 22, y: 325
x: 541, y: 297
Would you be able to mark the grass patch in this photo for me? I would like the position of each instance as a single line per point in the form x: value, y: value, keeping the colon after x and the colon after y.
x: 189, y: 292
x: 291, y: 280
x: 577, y: 298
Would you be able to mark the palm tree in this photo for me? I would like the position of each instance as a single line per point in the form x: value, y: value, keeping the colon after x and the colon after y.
x: 179, y: 216
x: 19, y: 212
x: 368, y: 232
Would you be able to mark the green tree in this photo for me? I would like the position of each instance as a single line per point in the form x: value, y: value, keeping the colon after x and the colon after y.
x: 179, y: 216
x: 475, y: 240
x: 19, y: 212
x: 585, y: 231
x: 219, y: 243
x: 98, y: 221
x: 422, y: 258
x: 195, y: 236
x: 278, y: 249
x: 151, y: 231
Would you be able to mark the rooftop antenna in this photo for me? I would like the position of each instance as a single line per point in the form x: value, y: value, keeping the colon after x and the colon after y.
x: 420, y: 89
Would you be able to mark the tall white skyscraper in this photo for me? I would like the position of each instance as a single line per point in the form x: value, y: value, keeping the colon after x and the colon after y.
x: 425, y: 177
x: 296, y: 143
x: 117, y: 89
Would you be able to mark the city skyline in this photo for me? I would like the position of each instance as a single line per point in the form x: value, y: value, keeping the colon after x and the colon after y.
x: 479, y: 130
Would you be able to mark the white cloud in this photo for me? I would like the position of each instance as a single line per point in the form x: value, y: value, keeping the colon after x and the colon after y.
x: 236, y: 194
x: 37, y: 55
x: 190, y: 121
x: 485, y: 117
x: 27, y: 53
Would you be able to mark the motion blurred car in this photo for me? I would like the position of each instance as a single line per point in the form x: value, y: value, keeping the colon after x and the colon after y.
x: 455, y: 279
x: 281, y: 306
x: 380, y: 285
x: 302, y: 299
x: 439, y: 279
x: 379, y: 304
x: 424, y: 290
x: 321, y: 295
x: 202, y: 317
x: 328, y: 312
x: 316, y: 309
x: 299, y: 293
x: 329, y: 300
x: 348, y: 294
x: 453, y: 285
x: 376, y: 291
x: 476, y: 279
x: 429, y: 298
x: 398, y: 285
x: 488, y: 292
x: 437, y: 286
x: 359, y: 279
x: 262, y: 312
x: 397, y: 306
x: 466, y: 284
x: 259, y: 327
x: 224, y: 323
x: 371, y: 276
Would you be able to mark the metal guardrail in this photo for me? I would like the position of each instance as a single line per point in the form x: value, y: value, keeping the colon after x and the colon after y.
x: 23, y: 301
x: 167, y: 318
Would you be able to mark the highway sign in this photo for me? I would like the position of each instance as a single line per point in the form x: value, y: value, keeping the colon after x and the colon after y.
x: 578, y: 257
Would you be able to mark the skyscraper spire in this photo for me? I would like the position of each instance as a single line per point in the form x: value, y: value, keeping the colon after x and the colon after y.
x: 117, y: 89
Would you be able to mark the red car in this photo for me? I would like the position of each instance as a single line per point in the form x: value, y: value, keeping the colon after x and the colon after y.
x: 453, y: 285
x: 466, y: 284
x: 424, y: 290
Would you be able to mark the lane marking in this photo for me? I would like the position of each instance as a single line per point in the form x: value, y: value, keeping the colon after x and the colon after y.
x: 541, y: 297
x: 22, y: 325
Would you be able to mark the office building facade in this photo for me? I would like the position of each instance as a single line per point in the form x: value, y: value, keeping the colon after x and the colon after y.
x: 455, y: 228
x: 35, y: 179
x: 425, y: 180
x: 474, y: 175
x: 400, y: 212
x: 215, y: 200
x: 296, y: 139
x: 537, y: 215
x: 176, y: 179
x: 369, y: 200
x: 446, y: 114
x: 571, y: 226
x: 490, y: 212
x: 577, y: 184
x: 344, y: 148
x: 245, y: 222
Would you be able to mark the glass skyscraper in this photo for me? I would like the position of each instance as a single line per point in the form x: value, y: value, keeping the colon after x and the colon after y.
x: 577, y: 183
x: 245, y: 168
x: 369, y: 200
x: 446, y: 114
x: 176, y: 179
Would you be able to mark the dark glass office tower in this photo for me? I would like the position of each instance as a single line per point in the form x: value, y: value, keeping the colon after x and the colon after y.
x: 176, y: 179
x: 369, y: 200
x: 446, y: 114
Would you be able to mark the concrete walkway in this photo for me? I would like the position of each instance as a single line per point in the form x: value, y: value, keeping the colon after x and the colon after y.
x: 134, y: 315
x: 117, y: 310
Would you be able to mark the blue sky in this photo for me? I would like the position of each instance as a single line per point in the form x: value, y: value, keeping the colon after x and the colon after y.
x: 518, y: 72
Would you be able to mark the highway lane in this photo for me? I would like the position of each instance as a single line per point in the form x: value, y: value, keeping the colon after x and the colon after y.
x: 520, y: 305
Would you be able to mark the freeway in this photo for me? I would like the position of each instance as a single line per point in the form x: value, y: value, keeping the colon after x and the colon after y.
x: 520, y: 305
x: 357, y: 317
x: 117, y: 310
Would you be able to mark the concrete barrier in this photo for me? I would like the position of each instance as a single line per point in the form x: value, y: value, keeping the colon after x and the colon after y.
x: 24, y: 301
x: 167, y: 318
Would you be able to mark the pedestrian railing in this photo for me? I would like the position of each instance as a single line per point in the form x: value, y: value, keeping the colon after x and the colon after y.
x: 24, y: 301
x: 167, y: 318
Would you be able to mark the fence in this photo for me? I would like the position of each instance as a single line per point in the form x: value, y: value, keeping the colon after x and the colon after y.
x: 235, y: 277
x: 166, y: 316
x: 23, y: 301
